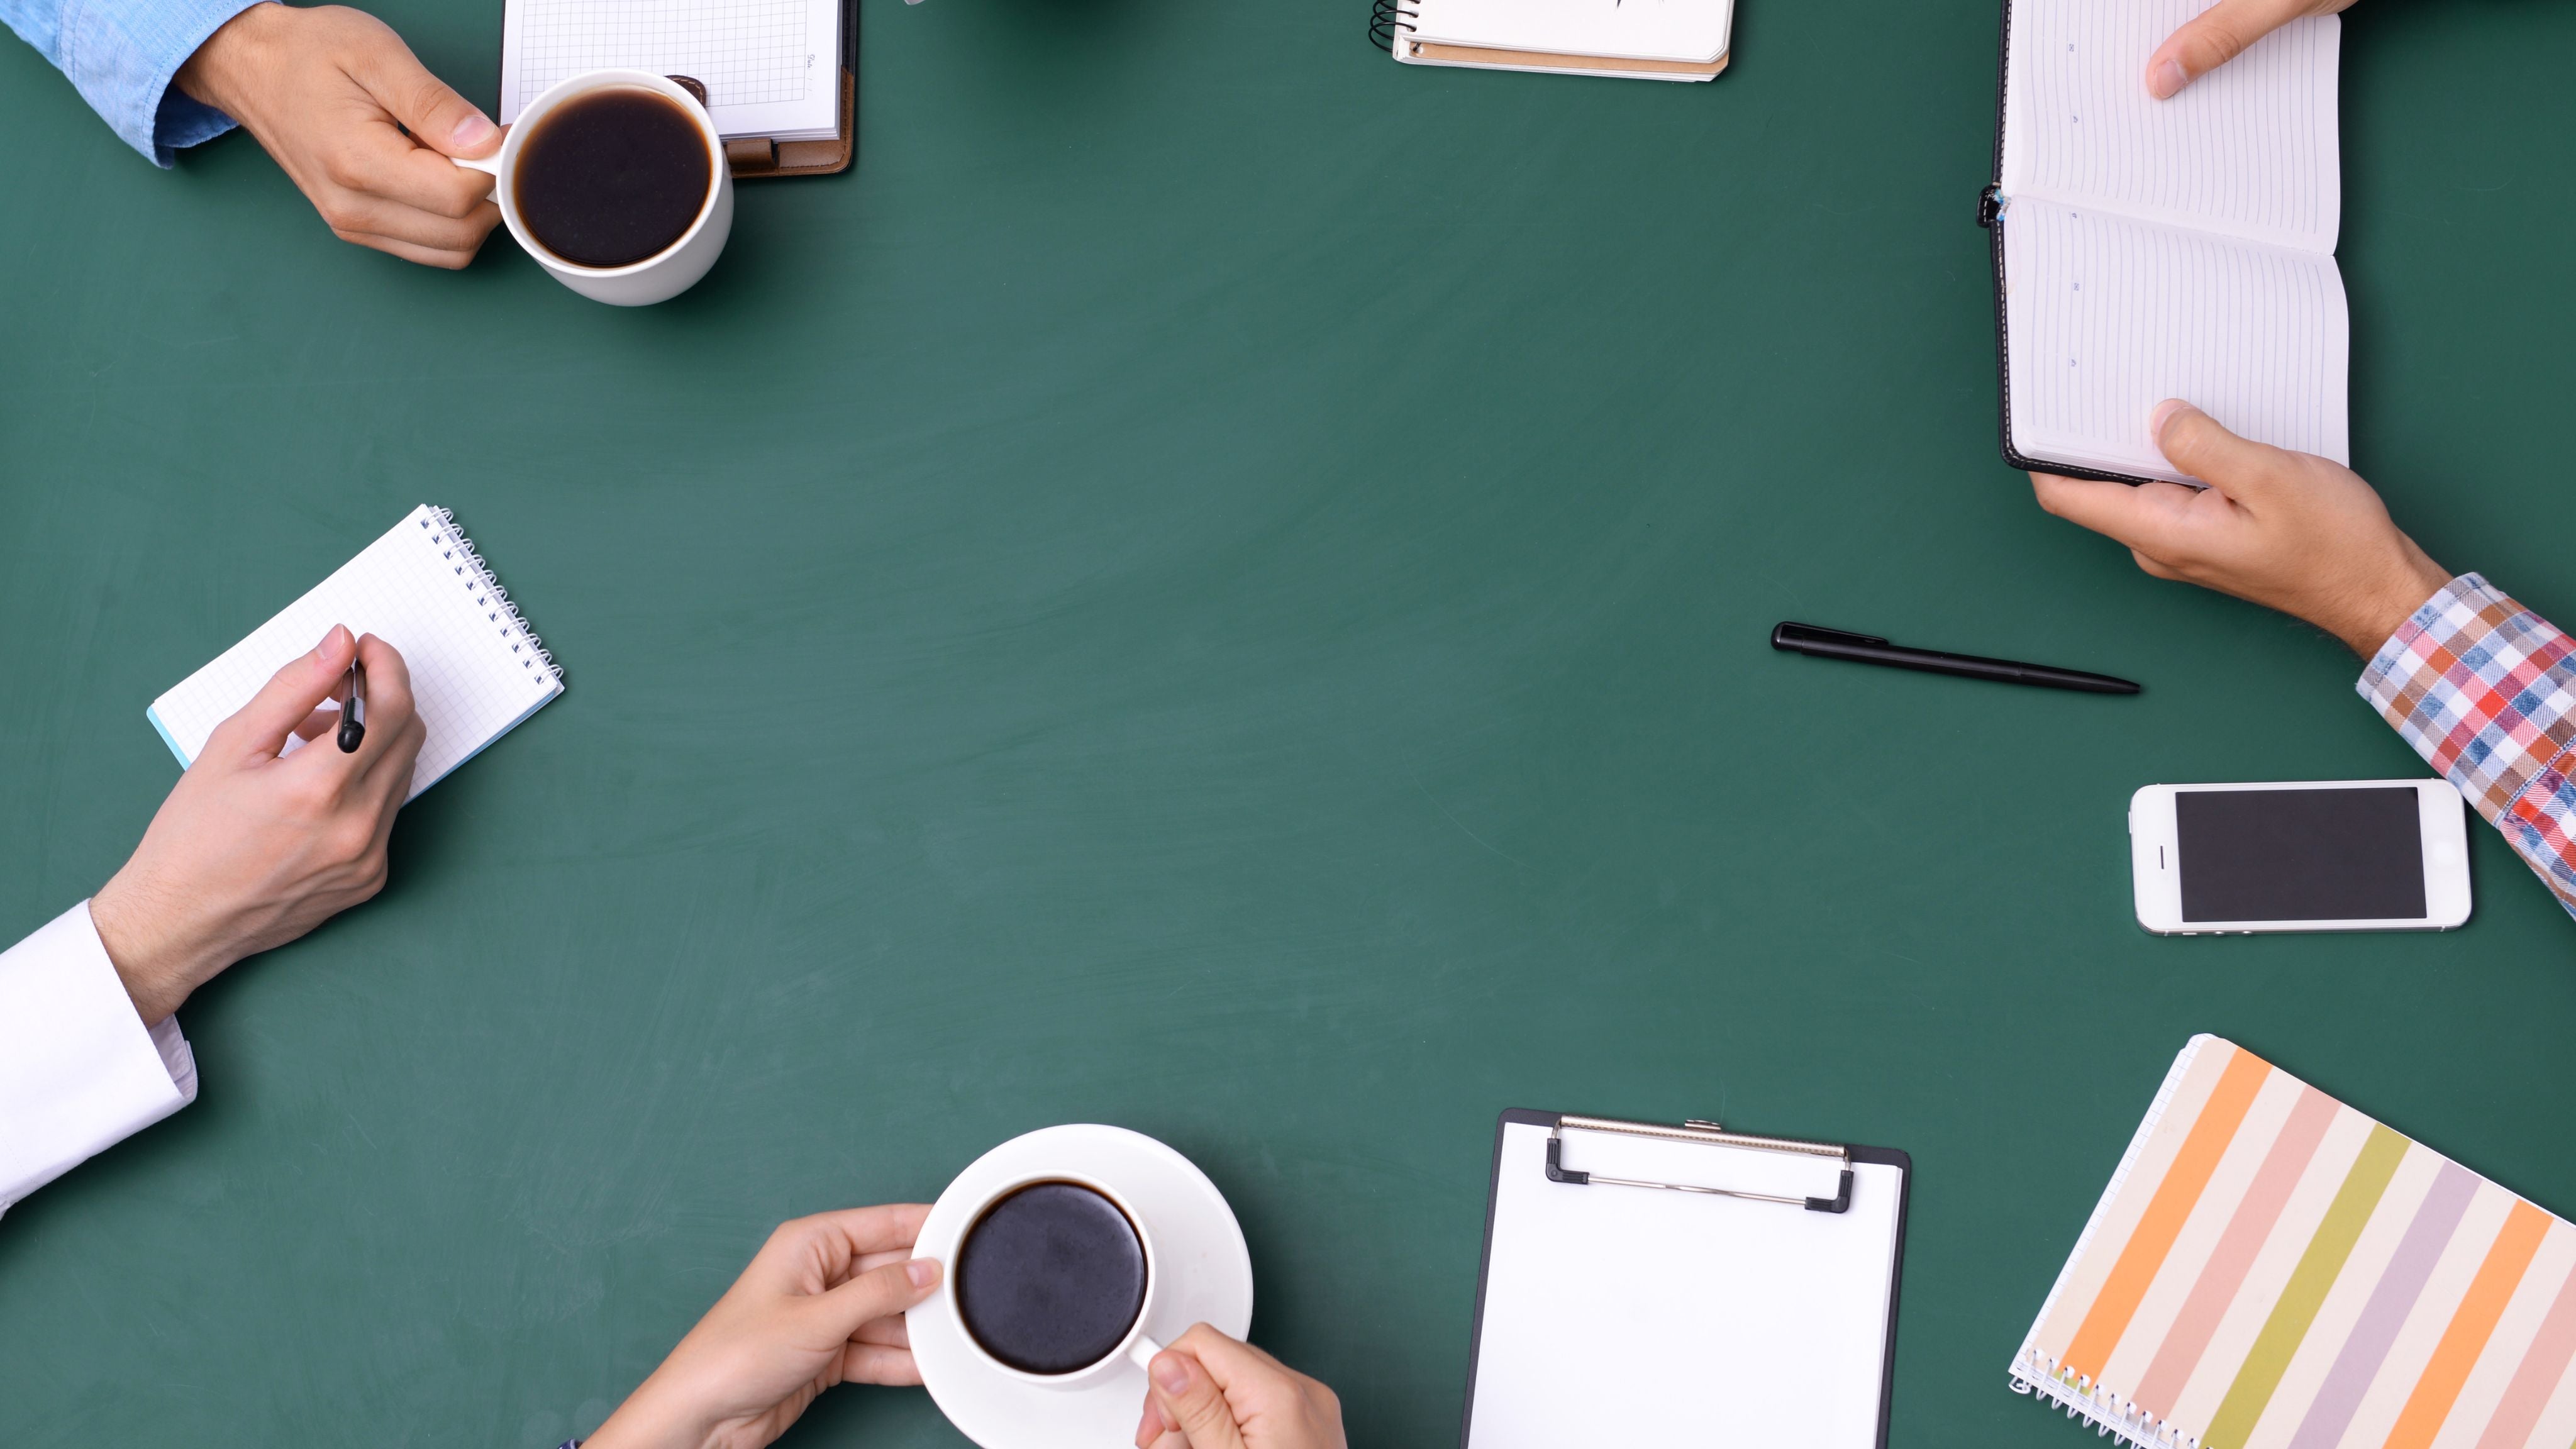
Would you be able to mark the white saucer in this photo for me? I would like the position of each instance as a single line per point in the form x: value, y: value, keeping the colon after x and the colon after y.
x: 1198, y: 1249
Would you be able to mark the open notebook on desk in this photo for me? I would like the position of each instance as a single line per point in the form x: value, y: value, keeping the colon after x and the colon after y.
x: 2148, y: 249
x: 476, y: 668
x: 781, y: 86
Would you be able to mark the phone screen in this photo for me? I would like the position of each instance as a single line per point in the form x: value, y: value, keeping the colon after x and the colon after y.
x: 2300, y: 855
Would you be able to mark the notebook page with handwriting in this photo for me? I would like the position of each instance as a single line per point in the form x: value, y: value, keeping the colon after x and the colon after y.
x: 476, y: 669
x: 771, y: 67
x: 2108, y: 315
x: 2250, y: 149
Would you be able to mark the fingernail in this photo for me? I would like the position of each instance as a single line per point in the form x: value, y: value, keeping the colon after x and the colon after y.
x: 2164, y: 414
x: 2166, y: 77
x: 922, y: 1271
x: 329, y: 639
x: 1172, y: 1374
x: 473, y: 131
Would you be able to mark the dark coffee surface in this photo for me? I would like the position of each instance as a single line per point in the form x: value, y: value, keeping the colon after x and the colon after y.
x: 1051, y: 1278
x: 613, y: 177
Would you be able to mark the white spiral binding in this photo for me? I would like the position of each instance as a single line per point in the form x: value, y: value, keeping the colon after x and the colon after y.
x: 500, y: 595
x: 2038, y: 1374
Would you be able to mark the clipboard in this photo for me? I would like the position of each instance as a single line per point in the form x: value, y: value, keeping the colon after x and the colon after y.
x: 1652, y: 1284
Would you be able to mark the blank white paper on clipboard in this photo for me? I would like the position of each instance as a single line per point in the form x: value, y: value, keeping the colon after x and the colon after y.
x: 1628, y: 1314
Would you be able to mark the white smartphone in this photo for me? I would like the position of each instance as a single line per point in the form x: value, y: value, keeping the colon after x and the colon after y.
x: 2318, y: 855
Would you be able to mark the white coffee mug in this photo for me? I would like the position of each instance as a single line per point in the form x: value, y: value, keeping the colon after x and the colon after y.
x: 1137, y: 1347
x: 659, y: 277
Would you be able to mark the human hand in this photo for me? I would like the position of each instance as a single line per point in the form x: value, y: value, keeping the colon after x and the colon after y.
x: 821, y: 1304
x: 1208, y: 1391
x: 251, y: 851
x: 2220, y: 34
x: 2289, y: 531
x: 331, y: 93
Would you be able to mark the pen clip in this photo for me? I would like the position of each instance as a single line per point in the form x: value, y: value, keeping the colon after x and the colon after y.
x: 1785, y: 635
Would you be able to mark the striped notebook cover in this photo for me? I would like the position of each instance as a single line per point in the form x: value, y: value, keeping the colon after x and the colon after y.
x: 2270, y: 1269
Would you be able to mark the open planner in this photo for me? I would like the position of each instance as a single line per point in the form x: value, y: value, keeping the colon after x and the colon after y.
x: 781, y: 76
x: 2270, y: 1269
x: 1674, y: 40
x: 1735, y: 1290
x: 476, y: 669
x: 2148, y: 249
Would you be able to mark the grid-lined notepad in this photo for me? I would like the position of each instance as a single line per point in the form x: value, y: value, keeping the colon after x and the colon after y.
x: 2270, y: 1269
x: 476, y: 668
x: 771, y: 67
x: 2148, y: 249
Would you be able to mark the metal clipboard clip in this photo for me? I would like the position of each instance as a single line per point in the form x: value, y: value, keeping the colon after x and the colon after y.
x: 1708, y: 1134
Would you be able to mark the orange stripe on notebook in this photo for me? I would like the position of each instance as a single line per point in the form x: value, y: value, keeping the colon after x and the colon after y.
x: 2175, y: 1197
x: 2471, y: 1324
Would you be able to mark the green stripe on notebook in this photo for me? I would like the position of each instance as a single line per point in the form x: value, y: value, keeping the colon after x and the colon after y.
x: 2306, y: 1293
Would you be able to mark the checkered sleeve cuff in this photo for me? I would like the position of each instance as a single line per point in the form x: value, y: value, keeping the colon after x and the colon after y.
x: 2485, y: 690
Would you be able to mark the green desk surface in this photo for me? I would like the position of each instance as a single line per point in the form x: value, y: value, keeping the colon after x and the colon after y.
x: 1218, y: 584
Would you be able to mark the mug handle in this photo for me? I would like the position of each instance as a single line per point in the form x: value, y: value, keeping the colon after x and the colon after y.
x: 488, y: 165
x: 1142, y: 1351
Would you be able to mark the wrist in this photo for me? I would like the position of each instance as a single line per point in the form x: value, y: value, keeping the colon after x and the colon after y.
x: 650, y: 1419
x: 2415, y: 579
x: 157, y: 975
x: 216, y: 75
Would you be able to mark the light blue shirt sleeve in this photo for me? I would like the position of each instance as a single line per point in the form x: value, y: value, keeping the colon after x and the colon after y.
x: 121, y: 54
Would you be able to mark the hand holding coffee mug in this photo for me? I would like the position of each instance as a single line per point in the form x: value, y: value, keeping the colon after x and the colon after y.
x: 616, y: 182
x: 1213, y: 1392
x: 821, y: 1304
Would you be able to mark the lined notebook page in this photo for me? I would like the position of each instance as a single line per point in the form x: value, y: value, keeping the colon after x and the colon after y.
x: 1679, y: 30
x: 2106, y: 316
x: 771, y: 67
x: 2274, y: 1270
x: 476, y: 670
x: 2250, y: 148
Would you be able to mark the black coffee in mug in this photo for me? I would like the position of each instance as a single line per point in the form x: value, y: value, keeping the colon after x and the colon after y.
x: 1050, y: 1278
x: 613, y: 176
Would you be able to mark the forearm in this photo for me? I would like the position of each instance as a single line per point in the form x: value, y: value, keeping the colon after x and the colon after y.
x: 2485, y: 690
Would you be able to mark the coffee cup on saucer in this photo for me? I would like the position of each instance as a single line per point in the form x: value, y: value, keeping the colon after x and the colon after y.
x: 1072, y: 1254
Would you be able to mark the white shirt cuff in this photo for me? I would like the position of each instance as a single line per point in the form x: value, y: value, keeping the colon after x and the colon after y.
x: 79, y: 1071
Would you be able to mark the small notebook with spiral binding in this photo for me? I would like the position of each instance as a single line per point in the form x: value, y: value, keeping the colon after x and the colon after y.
x: 476, y: 668
x: 2270, y: 1269
x: 1669, y: 40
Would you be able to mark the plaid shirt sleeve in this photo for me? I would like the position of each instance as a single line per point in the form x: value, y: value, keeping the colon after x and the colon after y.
x: 2485, y: 690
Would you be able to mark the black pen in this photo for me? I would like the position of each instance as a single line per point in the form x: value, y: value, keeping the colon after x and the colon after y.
x: 353, y: 715
x: 1870, y: 649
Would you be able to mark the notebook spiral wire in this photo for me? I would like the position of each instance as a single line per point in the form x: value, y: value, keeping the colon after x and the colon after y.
x: 1386, y: 17
x: 500, y: 595
x: 2111, y: 1417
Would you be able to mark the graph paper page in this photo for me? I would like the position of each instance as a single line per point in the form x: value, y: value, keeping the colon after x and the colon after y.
x: 476, y: 671
x: 771, y: 67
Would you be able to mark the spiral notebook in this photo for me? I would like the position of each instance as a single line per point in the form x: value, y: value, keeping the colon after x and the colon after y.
x: 2270, y: 1269
x: 476, y: 668
x: 1656, y: 1285
x: 1670, y: 40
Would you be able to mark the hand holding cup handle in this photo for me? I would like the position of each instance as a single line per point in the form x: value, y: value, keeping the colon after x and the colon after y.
x: 1208, y: 1391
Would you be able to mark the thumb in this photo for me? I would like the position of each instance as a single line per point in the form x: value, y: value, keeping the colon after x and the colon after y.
x: 2201, y: 447
x: 434, y: 113
x: 2213, y: 38
x: 882, y: 1293
x: 258, y: 730
x: 1192, y: 1400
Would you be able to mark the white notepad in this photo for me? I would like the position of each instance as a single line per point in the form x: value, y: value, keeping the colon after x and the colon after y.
x: 771, y: 67
x: 2178, y: 248
x: 476, y: 668
x: 1676, y: 40
x: 1615, y: 1313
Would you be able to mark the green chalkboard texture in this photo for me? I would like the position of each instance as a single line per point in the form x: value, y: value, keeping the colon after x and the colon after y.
x: 1219, y: 584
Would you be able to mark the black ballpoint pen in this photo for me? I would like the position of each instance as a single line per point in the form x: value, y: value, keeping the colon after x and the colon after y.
x: 353, y: 714
x: 1870, y: 649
